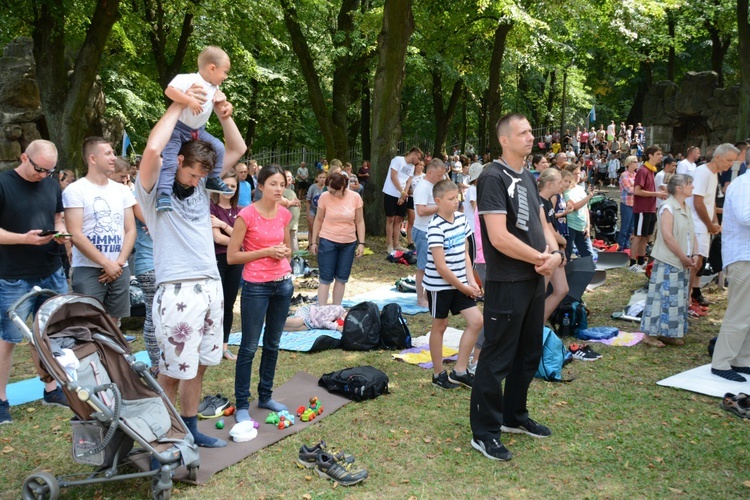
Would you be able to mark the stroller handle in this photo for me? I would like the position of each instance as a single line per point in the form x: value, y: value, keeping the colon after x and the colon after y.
x: 35, y: 292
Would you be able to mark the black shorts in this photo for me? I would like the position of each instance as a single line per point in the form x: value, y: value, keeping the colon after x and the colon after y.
x: 645, y: 223
x: 410, y: 203
x: 392, y: 208
x: 445, y: 301
x: 302, y: 186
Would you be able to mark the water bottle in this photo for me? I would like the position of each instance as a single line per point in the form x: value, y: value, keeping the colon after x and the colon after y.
x: 595, y: 256
x: 566, y: 325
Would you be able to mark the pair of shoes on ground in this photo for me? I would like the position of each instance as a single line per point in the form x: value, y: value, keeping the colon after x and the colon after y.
x: 454, y: 380
x: 302, y: 299
x: 583, y: 352
x: 52, y: 398
x: 739, y: 404
x: 309, y: 283
x: 331, y: 463
x: 213, y: 406
x: 495, y: 450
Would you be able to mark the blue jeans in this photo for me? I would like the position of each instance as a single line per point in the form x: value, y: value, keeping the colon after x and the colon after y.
x: 180, y: 135
x: 261, y: 302
x: 582, y: 243
x: 12, y: 290
x: 335, y: 260
x: 626, y: 226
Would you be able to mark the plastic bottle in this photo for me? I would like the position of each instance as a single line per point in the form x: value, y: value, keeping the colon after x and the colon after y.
x: 566, y: 325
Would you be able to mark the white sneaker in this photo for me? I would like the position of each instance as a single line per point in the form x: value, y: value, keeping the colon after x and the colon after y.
x: 636, y: 268
x: 389, y: 250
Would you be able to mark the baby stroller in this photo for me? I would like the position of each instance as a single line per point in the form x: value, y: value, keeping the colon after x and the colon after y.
x: 122, y: 415
x: 604, y: 218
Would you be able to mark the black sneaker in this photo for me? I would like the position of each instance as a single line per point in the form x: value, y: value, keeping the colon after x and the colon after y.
x: 55, y: 398
x: 591, y: 352
x: 344, y: 473
x: 466, y: 380
x: 216, y: 185
x: 532, y: 428
x: 308, y: 455
x: 212, y: 406
x: 443, y: 382
x: 583, y: 352
x: 492, y: 449
x: 5, y: 417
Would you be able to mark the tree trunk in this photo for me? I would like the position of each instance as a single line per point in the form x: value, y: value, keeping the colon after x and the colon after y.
x: 646, y: 77
x: 464, y: 98
x: 719, y: 47
x: 364, y: 118
x: 333, y: 124
x: 443, y: 117
x: 158, y: 32
x: 482, y: 125
x: 393, y: 40
x: 252, y: 113
x: 743, y: 55
x: 64, y: 97
x: 494, y: 98
x: 671, y: 59
x: 550, y: 99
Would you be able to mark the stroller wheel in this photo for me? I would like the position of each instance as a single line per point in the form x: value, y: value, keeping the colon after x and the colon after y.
x: 41, y: 486
x: 158, y: 491
x: 193, y: 473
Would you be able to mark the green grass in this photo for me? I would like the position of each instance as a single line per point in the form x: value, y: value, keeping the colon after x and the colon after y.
x: 616, y: 433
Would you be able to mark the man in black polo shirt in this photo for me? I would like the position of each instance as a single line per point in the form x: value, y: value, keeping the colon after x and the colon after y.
x: 519, y: 250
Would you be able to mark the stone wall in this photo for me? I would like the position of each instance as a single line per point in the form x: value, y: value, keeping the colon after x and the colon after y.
x: 696, y: 112
x: 21, y: 115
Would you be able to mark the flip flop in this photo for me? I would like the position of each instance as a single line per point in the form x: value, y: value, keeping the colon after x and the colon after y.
x: 736, y: 404
x: 229, y: 356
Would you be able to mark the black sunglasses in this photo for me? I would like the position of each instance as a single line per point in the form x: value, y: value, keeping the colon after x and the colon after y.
x: 39, y: 169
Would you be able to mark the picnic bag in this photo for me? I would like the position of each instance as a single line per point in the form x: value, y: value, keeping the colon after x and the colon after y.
x: 357, y: 383
x: 570, y: 318
x: 361, y: 328
x: 394, y: 332
x: 553, y: 357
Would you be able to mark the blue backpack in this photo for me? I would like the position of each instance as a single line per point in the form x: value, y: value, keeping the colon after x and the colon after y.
x: 553, y: 357
x: 569, y: 319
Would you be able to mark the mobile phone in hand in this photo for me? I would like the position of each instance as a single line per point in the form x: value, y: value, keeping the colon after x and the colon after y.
x: 47, y: 232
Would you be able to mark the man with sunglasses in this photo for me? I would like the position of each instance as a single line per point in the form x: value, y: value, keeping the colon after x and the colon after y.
x: 30, y: 205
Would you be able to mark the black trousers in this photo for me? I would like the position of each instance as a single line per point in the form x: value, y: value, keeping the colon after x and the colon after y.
x: 513, y: 322
x: 231, y: 276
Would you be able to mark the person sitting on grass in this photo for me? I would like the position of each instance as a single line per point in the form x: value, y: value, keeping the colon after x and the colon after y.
x: 313, y: 317
x: 665, y: 317
x: 213, y: 67
x: 449, y: 286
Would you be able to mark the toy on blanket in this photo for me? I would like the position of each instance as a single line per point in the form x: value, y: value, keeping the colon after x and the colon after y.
x: 282, y: 419
x: 313, y: 410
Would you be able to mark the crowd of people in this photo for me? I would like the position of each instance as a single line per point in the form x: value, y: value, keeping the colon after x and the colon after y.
x: 206, y: 227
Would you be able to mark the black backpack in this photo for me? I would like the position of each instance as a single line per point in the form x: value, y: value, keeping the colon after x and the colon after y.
x: 357, y: 383
x: 361, y: 328
x: 569, y: 318
x: 394, y: 332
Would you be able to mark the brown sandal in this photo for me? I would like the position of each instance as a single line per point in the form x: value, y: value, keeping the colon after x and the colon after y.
x: 671, y: 341
x: 652, y: 341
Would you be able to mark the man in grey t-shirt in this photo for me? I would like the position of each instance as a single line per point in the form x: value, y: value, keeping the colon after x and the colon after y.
x: 188, y: 303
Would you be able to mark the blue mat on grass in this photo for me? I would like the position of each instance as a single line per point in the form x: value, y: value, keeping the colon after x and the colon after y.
x: 26, y: 391
x: 304, y: 341
x: 388, y: 295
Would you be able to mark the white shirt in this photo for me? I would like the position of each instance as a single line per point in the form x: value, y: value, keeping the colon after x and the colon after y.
x: 302, y: 173
x: 735, y: 230
x: 103, y: 216
x: 185, y: 81
x: 404, y: 170
x: 685, y: 167
x: 658, y: 182
x: 469, y: 196
x: 705, y: 183
x: 423, y: 196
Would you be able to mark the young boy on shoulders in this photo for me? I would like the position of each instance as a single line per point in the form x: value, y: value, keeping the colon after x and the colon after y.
x: 448, y: 285
x: 213, y: 67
